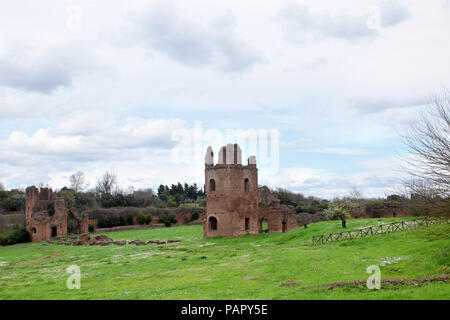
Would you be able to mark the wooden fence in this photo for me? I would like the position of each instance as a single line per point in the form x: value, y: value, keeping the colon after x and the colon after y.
x: 377, y: 229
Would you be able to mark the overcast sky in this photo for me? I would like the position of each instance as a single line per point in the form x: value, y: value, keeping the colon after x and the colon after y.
x: 103, y: 85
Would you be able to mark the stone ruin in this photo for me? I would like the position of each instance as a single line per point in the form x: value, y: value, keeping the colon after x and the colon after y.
x: 235, y: 205
x: 387, y: 209
x: 102, y: 240
x: 47, y: 216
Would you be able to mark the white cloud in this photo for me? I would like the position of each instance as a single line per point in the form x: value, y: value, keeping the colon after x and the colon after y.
x: 195, y: 43
x: 393, y: 12
x: 374, y: 182
x: 79, y: 140
x: 301, y: 24
x: 85, y: 98
x: 369, y: 104
x: 40, y: 70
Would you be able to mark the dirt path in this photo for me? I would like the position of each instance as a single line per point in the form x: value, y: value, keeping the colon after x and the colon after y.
x: 393, y: 281
x: 49, y: 255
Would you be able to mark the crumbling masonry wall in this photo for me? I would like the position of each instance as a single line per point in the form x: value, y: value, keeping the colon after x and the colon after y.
x: 279, y: 218
x: 46, y: 215
x: 387, y: 209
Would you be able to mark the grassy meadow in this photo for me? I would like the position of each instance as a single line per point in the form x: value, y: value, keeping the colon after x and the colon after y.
x: 263, y: 266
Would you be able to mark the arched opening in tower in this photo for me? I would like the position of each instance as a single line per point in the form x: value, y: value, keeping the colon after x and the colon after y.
x: 212, y: 223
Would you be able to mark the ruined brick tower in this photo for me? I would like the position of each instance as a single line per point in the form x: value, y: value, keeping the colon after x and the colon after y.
x: 231, y: 194
x: 47, y: 216
x: 40, y: 223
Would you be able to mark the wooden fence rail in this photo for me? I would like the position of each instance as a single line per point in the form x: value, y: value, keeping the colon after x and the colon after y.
x: 377, y: 229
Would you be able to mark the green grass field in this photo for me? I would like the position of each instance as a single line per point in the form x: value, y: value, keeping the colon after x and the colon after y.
x: 248, y: 267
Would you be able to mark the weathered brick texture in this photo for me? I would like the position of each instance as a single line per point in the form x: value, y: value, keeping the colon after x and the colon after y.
x: 46, y: 215
x: 234, y: 204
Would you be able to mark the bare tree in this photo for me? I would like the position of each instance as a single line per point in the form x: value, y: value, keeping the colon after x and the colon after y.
x: 107, y: 183
x: 427, y: 198
x: 356, y: 194
x: 428, y: 143
x: 146, y: 196
x: 77, y: 181
x: 130, y: 190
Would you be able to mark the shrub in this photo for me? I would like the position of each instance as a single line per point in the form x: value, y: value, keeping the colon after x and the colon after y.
x: 84, y: 199
x: 187, y: 219
x: 69, y: 198
x: 114, y: 221
x: 171, y: 202
x: 12, y: 202
x: 111, y: 221
x: 91, y: 228
x: 148, y: 218
x: 195, y: 215
x: 141, y: 219
x: 17, y: 236
x: 130, y: 219
x: 103, y: 222
x: 159, y: 203
x: 167, y: 219
x: 203, y: 203
x: 4, y: 239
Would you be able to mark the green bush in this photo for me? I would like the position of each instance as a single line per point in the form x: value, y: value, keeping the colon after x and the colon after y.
x: 203, y: 203
x: 167, y: 219
x: 130, y: 219
x: 187, y: 219
x: 91, y: 228
x: 103, y: 222
x: 12, y: 202
x: 112, y: 221
x: 159, y: 204
x: 16, y: 236
x: 148, y: 218
x: 171, y: 201
x: 195, y: 215
x: 141, y: 218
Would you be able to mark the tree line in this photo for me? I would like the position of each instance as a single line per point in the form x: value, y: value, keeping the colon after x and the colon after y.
x: 107, y: 194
